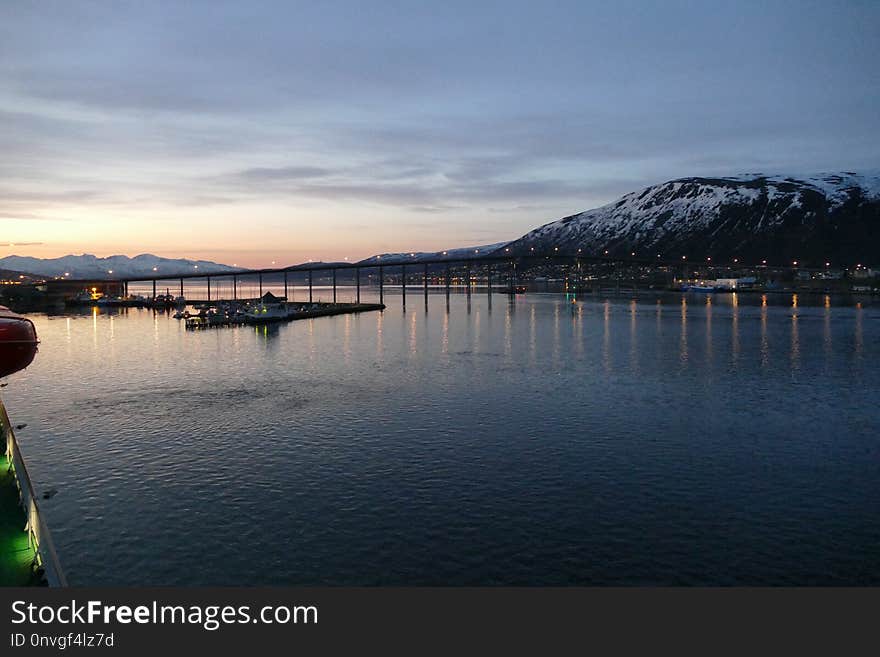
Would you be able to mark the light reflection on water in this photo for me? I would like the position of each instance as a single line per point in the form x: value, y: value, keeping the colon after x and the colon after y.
x: 661, y: 439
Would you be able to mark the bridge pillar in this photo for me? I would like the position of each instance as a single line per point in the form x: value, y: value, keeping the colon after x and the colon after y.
x: 261, y: 284
x: 489, y: 280
x: 381, y: 285
x: 154, y: 288
x: 468, y: 279
x: 209, y: 288
x: 446, y: 282
x: 285, y: 286
x: 403, y: 284
x: 310, y: 286
x: 425, y: 282
x: 357, y: 283
x: 234, y: 287
x: 181, y: 287
x: 334, y: 286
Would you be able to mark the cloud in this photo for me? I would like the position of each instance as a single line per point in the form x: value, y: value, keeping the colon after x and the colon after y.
x: 282, y: 173
x: 26, y: 216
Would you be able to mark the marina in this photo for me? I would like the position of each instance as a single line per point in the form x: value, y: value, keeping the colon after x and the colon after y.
x: 266, y: 310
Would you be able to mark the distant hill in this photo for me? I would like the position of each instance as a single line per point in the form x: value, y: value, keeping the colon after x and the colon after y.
x: 419, y: 256
x: 828, y: 217
x: 12, y: 275
x: 89, y: 266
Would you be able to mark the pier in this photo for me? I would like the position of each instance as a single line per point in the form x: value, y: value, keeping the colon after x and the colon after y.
x: 283, y: 312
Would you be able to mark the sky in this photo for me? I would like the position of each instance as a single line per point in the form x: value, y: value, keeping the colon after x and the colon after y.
x: 253, y: 132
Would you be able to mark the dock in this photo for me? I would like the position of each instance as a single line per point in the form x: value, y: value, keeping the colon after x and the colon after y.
x: 289, y: 312
x: 27, y: 555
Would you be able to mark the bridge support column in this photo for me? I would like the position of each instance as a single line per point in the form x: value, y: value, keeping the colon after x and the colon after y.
x: 403, y: 284
x: 468, y: 279
x: 181, y: 287
x: 425, y: 282
x: 489, y: 280
x: 310, y: 286
x: 285, y: 286
x: 260, y: 275
x: 209, y: 287
x: 357, y: 283
x: 235, y: 287
x: 154, y: 288
x: 381, y: 285
x: 334, y: 286
x: 446, y: 282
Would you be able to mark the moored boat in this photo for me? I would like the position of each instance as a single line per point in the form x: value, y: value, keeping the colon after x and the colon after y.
x: 18, y: 341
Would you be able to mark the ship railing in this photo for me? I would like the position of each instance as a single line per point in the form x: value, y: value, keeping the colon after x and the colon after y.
x: 39, y: 537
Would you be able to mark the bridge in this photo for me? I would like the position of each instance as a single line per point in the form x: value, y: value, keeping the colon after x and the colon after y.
x: 497, y: 268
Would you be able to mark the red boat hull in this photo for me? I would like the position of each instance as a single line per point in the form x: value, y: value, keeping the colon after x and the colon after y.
x: 18, y: 342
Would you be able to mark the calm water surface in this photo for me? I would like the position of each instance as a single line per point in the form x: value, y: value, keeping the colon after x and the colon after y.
x: 661, y: 440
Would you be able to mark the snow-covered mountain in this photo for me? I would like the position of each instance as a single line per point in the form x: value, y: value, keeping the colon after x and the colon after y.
x: 419, y: 256
x: 753, y: 217
x: 89, y: 266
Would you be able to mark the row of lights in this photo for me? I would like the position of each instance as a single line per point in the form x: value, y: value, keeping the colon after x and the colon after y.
x: 507, y: 250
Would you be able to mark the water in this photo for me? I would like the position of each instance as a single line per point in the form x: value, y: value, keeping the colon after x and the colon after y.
x: 661, y: 440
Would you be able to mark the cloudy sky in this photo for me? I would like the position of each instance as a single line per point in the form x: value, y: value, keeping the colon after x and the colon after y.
x: 259, y: 131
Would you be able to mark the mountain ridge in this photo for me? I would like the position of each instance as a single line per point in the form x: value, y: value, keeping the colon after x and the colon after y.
x: 88, y: 265
x: 832, y: 216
